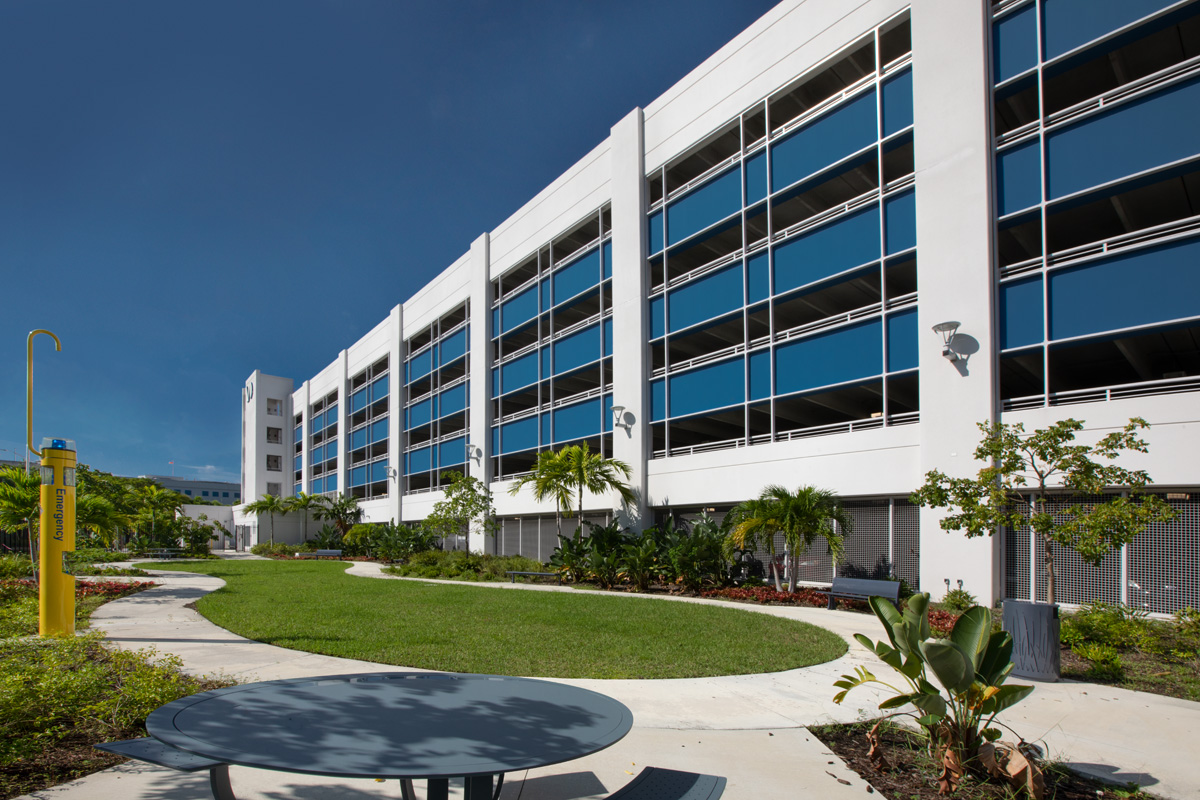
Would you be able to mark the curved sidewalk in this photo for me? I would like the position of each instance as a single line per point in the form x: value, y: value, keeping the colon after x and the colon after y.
x: 748, y: 728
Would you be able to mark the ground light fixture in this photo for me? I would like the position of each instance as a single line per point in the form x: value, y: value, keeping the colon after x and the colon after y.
x: 947, y: 331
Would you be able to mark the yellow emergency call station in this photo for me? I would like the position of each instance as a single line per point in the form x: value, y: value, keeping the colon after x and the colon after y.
x: 56, y: 584
x: 56, y: 590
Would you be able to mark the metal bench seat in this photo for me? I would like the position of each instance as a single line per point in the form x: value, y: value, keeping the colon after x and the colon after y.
x: 655, y: 783
x: 861, y: 589
x: 153, y: 751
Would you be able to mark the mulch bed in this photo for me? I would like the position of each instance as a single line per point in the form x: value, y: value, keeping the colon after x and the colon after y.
x: 913, y: 777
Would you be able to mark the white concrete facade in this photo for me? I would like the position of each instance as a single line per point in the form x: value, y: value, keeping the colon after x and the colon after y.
x: 955, y: 223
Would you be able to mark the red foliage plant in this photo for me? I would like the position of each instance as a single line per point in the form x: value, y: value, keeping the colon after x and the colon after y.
x: 766, y: 594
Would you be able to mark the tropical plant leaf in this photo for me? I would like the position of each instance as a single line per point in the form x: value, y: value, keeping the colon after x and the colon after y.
x: 954, y: 669
x: 933, y: 705
x: 1006, y: 697
x: 916, y: 613
x: 996, y: 663
x: 971, y: 633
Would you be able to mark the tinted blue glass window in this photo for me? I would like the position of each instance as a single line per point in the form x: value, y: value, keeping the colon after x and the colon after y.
x: 1021, y: 313
x: 658, y: 400
x: 547, y: 428
x: 839, y: 356
x: 1131, y: 138
x: 358, y: 400
x: 577, y: 421
x: 577, y: 349
x: 297, y: 465
x: 318, y: 485
x: 454, y: 400
x: 759, y: 277
x: 712, y: 202
x: 420, y: 365
x: 520, y: 435
x: 849, y: 242
x: 1141, y: 288
x: 379, y: 389
x: 897, y: 103
x: 420, y: 460
x: 420, y: 413
x: 902, y: 341
x: 1014, y: 44
x: 547, y: 363
x: 760, y: 374
x: 331, y: 482
x: 655, y: 231
x: 495, y: 321
x: 331, y: 450
x: 453, y: 347
x: 708, y: 387
x: 1019, y: 178
x: 714, y: 294
x: 544, y: 288
x: 608, y: 337
x: 316, y: 455
x: 756, y: 177
x: 299, y: 433
x: 358, y: 439
x: 843, y: 131
x: 317, y: 423
x: 606, y: 415
x: 379, y: 430
x: 452, y: 452
x: 607, y: 251
x: 331, y: 416
x: 577, y: 276
x: 519, y: 309
x: 900, y: 220
x: 519, y: 373
x: 378, y: 471
x: 1070, y: 23
x: 658, y: 324
x: 495, y: 381
x: 357, y: 476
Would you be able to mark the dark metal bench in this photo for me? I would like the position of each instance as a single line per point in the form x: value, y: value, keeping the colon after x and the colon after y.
x: 655, y: 783
x: 513, y: 574
x: 166, y: 552
x: 861, y: 589
x: 321, y: 554
x: 153, y: 751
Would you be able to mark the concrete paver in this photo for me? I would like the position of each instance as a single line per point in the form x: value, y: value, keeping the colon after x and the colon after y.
x: 748, y: 728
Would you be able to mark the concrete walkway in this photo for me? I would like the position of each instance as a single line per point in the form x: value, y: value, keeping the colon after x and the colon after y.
x: 748, y: 728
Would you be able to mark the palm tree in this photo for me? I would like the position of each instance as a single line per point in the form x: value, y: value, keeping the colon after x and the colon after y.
x: 156, y: 501
x: 342, y: 511
x: 549, y: 481
x: 20, y: 501
x: 802, y: 517
x: 584, y: 470
x: 270, y: 505
x: 305, y: 503
x: 100, y: 515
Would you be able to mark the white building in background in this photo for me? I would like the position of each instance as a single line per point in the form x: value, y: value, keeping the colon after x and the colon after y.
x: 746, y: 276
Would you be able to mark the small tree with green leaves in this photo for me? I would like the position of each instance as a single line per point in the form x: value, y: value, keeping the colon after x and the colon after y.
x: 270, y: 505
x: 1026, y: 472
x: 467, y: 502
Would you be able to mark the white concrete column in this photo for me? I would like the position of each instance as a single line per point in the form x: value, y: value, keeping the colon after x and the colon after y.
x: 343, y: 474
x: 305, y: 443
x: 396, y: 413
x: 479, y: 432
x: 953, y: 155
x: 630, y: 323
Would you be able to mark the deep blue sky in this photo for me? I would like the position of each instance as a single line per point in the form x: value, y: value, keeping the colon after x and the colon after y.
x: 191, y: 191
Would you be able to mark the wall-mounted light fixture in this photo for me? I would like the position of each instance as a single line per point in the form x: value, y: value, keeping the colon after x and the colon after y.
x: 947, y: 331
x: 392, y: 472
x: 474, y: 453
x: 618, y: 413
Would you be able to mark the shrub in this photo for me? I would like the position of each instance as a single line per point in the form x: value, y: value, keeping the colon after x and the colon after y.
x: 958, y: 600
x: 767, y: 594
x: 1105, y: 661
x: 1187, y: 621
x: 1115, y: 625
x: 96, y: 555
x: 277, y: 549
x: 459, y: 565
x: 15, y: 566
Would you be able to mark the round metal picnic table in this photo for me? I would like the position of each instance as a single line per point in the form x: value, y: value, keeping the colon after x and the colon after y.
x: 404, y: 725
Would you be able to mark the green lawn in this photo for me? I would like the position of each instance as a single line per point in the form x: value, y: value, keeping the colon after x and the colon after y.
x: 315, y: 607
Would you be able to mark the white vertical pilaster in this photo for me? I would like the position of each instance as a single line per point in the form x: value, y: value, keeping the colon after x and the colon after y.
x: 630, y: 325
x: 343, y: 474
x: 305, y: 442
x: 479, y: 432
x: 396, y: 399
x: 953, y: 155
